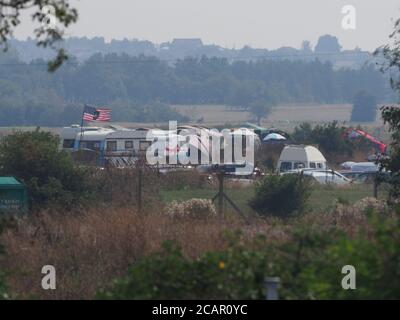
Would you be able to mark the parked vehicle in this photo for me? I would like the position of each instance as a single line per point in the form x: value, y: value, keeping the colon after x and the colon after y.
x: 322, y: 176
x: 366, y: 176
x: 365, y: 167
x: 301, y: 157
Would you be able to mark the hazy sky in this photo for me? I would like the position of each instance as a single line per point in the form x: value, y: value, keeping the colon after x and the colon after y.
x: 258, y: 23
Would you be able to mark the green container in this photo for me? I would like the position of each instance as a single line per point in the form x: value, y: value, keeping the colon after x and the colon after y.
x: 13, y: 195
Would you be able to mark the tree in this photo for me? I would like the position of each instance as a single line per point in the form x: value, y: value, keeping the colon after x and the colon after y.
x: 281, y: 195
x: 43, y: 12
x: 328, y: 44
x: 391, y: 53
x: 260, y: 109
x: 130, y: 85
x: 364, y: 107
x: 391, y: 114
x: 50, y: 175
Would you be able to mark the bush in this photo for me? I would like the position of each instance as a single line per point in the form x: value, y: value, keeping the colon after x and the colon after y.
x: 281, y: 195
x: 193, y: 208
x: 236, y: 273
x: 375, y: 257
x: 50, y: 175
x: 3, y: 287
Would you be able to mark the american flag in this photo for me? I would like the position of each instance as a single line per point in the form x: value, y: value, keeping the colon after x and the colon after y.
x: 96, y: 114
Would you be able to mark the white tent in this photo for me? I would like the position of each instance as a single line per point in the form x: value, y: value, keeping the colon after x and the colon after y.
x: 274, y: 137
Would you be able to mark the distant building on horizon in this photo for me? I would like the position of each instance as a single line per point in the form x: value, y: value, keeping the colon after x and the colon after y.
x: 188, y: 44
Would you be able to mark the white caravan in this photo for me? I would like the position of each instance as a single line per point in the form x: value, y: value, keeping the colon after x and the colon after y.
x: 300, y: 157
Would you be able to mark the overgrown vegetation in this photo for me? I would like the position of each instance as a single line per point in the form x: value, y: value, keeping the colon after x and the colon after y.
x: 50, y: 175
x: 281, y: 195
x: 391, y: 114
x: 309, y: 265
x: 92, y: 248
x: 54, y: 180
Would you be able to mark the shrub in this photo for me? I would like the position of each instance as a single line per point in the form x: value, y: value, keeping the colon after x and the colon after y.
x: 376, y: 259
x: 236, y: 273
x: 370, y: 203
x: 50, y: 175
x: 281, y: 195
x: 193, y: 208
x: 3, y: 287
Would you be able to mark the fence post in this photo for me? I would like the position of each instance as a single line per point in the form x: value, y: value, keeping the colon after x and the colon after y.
x: 140, y: 190
x: 272, y: 284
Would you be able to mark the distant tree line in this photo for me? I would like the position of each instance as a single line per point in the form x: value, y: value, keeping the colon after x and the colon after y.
x: 141, y: 88
x: 327, y: 48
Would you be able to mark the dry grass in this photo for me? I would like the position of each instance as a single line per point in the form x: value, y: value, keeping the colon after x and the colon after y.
x: 90, y: 249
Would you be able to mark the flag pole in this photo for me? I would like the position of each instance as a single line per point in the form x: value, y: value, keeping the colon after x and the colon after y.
x: 82, y: 132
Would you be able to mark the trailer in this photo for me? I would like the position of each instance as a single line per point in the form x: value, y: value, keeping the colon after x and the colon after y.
x: 301, y: 157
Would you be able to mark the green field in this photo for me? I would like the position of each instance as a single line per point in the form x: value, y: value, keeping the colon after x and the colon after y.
x: 322, y: 198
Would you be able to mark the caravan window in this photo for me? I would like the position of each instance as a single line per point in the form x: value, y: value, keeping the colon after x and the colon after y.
x: 96, y: 145
x: 92, y: 145
x: 299, y: 165
x: 285, y: 166
x: 320, y: 166
x: 111, y: 145
x: 68, y: 143
x: 144, y: 145
x: 129, y: 144
x: 312, y: 165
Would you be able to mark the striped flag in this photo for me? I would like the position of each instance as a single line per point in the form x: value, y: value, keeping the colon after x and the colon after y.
x: 96, y: 114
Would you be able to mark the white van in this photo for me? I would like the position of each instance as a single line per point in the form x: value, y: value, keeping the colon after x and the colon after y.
x: 300, y: 157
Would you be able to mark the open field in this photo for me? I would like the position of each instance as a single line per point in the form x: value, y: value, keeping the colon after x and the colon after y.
x: 284, y: 117
x: 214, y: 114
